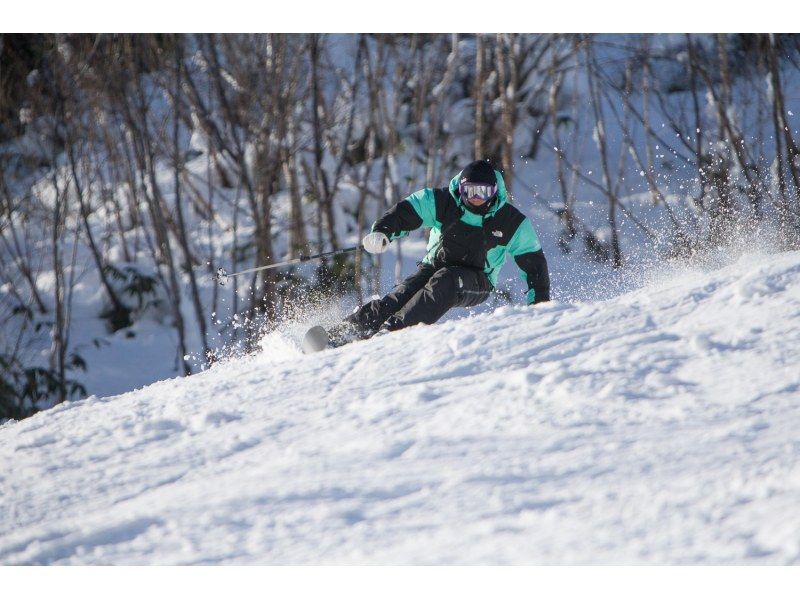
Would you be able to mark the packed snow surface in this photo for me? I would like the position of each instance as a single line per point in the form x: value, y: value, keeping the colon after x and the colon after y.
x: 660, y: 426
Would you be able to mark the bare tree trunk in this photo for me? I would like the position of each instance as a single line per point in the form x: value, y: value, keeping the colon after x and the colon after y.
x: 182, y: 236
x: 264, y: 295
x: 154, y: 202
x: 298, y: 242
x: 650, y: 170
x: 479, y: 94
x: 58, y: 349
x: 723, y: 211
x: 701, y: 159
x: 372, y: 78
x: 721, y: 215
x: 235, y: 260
x: 629, y: 145
x: 556, y: 78
x: 600, y: 136
x: 788, y: 223
x: 15, y: 249
x: 119, y: 316
x: 323, y: 191
x: 507, y: 92
x: 437, y: 107
x: 762, y: 118
x: 60, y: 328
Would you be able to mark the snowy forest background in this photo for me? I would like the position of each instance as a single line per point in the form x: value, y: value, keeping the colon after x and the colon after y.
x: 134, y: 166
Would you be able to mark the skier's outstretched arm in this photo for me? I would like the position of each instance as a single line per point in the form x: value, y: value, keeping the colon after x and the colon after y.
x: 529, y: 257
x: 418, y: 209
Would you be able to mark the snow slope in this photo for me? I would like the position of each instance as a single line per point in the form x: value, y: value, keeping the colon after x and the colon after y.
x: 659, y: 426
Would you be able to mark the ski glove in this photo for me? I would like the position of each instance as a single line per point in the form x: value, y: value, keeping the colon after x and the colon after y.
x: 375, y: 242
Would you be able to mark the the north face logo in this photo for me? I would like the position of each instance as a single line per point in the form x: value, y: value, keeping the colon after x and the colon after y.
x: 497, y: 233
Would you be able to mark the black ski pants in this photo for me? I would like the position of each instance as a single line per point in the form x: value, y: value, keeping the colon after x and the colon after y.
x: 423, y: 298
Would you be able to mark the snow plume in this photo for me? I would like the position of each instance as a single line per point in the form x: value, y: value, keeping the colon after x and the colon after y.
x: 284, y: 341
x: 279, y: 339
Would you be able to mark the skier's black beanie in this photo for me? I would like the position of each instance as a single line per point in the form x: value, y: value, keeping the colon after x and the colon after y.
x: 479, y: 171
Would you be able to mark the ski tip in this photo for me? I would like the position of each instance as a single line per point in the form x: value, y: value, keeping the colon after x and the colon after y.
x: 316, y: 339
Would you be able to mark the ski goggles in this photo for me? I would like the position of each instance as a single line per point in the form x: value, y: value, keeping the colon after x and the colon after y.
x: 477, y: 192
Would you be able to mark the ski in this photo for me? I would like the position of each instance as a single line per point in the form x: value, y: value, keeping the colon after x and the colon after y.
x: 318, y: 338
x: 315, y: 340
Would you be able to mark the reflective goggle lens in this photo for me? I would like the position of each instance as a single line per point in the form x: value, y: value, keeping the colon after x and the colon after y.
x: 477, y: 191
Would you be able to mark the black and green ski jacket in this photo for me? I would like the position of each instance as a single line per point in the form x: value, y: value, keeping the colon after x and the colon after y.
x: 461, y: 237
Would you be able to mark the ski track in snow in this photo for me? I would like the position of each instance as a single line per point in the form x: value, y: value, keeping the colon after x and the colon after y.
x: 656, y: 427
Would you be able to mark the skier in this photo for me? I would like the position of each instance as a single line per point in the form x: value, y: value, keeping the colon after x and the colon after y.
x: 473, y: 229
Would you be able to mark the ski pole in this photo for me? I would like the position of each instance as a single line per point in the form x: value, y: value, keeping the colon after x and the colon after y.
x: 222, y: 276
